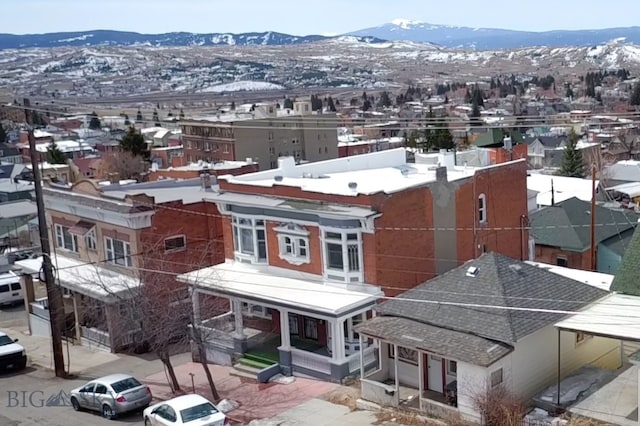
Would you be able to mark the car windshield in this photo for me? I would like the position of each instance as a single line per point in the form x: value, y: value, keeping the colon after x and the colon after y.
x: 197, y: 412
x: 125, y: 384
x: 5, y: 340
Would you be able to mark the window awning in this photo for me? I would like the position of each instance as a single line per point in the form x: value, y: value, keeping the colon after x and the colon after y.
x: 81, y: 228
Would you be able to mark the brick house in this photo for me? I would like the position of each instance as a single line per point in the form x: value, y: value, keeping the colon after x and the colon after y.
x: 107, y: 244
x: 263, y: 134
x: 194, y: 170
x: 310, y: 248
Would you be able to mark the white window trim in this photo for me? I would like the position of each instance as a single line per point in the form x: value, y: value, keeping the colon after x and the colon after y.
x: 482, y: 212
x: 258, y: 311
x: 91, y: 240
x: 110, y: 253
x: 59, y: 231
x: 347, y: 276
x: 177, y: 249
x: 253, y: 258
x: 299, y: 240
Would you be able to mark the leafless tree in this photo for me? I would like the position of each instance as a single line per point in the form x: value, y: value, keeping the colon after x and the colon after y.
x: 125, y: 164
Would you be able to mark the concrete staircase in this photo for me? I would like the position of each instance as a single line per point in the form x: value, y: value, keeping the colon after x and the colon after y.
x: 249, y: 365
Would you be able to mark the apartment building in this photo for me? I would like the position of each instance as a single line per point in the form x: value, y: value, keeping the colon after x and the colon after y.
x: 110, y: 242
x: 310, y: 248
x: 263, y: 134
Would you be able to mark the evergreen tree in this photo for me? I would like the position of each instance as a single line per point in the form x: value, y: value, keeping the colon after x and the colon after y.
x: 3, y: 134
x: 635, y: 95
x: 139, y: 116
x: 331, y: 106
x: 475, y: 115
x: 446, y: 99
x: 233, y: 105
x: 134, y: 143
x: 572, y: 161
x: 126, y: 120
x: 181, y: 114
x: 54, y: 155
x: 569, y: 92
x: 156, y: 119
x: 94, y: 122
x: 366, y: 106
x: 288, y: 103
x: 384, y: 100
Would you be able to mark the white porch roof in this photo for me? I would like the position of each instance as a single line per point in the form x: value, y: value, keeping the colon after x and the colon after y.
x: 616, y: 316
x: 277, y: 286
x: 90, y: 280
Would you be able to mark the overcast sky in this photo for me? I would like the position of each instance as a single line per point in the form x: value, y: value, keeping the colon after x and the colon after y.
x: 302, y: 17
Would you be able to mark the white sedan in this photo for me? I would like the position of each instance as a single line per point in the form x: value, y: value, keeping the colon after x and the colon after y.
x: 192, y: 410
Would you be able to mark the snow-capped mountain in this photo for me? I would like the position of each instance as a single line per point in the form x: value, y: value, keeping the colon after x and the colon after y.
x: 493, y: 38
x: 121, y: 38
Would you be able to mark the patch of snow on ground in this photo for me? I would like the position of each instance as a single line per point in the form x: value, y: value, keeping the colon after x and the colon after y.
x: 242, y: 86
x: 227, y: 405
x: 281, y: 379
x: 578, y: 386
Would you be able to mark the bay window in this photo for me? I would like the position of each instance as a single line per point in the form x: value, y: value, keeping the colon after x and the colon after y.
x: 343, y: 255
x: 249, y: 239
x: 66, y: 240
x: 118, y: 252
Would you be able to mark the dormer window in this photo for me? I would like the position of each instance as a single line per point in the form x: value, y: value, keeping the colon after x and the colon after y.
x: 293, y: 243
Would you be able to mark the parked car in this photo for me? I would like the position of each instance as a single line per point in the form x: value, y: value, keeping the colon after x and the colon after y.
x: 12, y: 355
x: 10, y: 289
x: 111, y: 395
x: 192, y: 410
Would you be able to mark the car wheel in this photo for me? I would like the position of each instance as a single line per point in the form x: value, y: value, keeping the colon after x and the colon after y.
x: 107, y: 412
x: 75, y: 404
x: 147, y: 422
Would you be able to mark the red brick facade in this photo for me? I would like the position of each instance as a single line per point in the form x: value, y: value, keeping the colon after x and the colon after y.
x: 552, y: 255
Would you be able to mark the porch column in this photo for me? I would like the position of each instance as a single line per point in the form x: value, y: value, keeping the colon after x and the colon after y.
x: 420, y: 378
x: 395, y: 369
x: 337, y: 340
x: 237, y: 315
x: 26, y: 282
x: 112, y: 315
x: 360, y: 345
x: 195, y: 301
x: 285, y: 337
x: 76, y: 316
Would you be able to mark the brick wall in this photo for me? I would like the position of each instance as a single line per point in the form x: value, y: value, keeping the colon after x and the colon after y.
x: 548, y: 254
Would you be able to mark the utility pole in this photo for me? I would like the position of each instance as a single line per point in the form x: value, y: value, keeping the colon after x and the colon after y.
x: 54, y: 296
x: 593, y: 217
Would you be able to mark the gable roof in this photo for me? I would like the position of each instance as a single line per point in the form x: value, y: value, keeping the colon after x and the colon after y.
x: 567, y: 225
x: 551, y: 142
x: 500, y: 282
x: 626, y: 280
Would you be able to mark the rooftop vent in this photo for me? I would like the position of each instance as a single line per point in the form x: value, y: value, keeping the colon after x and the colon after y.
x: 278, y: 178
x: 405, y: 172
x: 353, y: 185
x: 472, y: 271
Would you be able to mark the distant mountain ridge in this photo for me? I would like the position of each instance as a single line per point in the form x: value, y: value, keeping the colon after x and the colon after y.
x: 494, y: 38
x: 123, y: 38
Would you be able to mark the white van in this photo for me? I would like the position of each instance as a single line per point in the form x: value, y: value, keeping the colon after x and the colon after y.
x: 11, y: 292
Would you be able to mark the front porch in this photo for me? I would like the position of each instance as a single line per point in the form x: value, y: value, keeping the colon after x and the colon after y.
x: 92, y: 299
x: 307, y: 328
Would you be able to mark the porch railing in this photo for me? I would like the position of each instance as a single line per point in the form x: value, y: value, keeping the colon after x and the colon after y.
x: 94, y: 335
x: 40, y: 308
x: 310, y: 361
x: 369, y: 355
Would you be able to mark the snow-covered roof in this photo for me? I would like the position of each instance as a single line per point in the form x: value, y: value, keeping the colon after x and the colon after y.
x: 88, y: 279
x: 626, y: 170
x: 563, y: 188
x: 384, y: 171
x: 41, y: 134
x: 66, y: 146
x: 221, y: 165
x: 632, y: 189
x: 595, y: 279
x: 615, y: 316
x: 47, y: 166
x: 279, y: 287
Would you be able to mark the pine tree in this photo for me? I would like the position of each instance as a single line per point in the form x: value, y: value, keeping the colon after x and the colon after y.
x: 635, y: 95
x: 366, y: 106
x: 330, y: 105
x: 475, y: 115
x: 139, y: 116
x: 156, y: 119
x: 134, y: 143
x: 54, y: 155
x: 94, y: 123
x: 288, y: 103
x: 3, y: 134
x: 126, y: 120
x: 572, y: 161
x: 233, y: 105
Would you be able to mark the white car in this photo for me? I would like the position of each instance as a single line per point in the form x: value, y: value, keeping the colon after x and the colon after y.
x: 12, y: 355
x: 192, y: 410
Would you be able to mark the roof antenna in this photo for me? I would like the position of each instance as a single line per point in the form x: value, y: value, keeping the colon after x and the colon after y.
x: 553, y: 195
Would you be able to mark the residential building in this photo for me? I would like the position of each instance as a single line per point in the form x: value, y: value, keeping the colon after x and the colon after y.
x: 194, y: 170
x: 71, y: 149
x: 310, y: 247
x: 109, y: 241
x: 9, y: 154
x: 554, y: 189
x: 357, y: 144
x: 562, y: 235
x: 264, y: 134
x: 488, y: 323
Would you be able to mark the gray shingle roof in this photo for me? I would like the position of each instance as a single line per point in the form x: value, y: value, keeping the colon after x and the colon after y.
x: 436, y: 340
x: 500, y: 281
x: 567, y: 225
x: 626, y: 280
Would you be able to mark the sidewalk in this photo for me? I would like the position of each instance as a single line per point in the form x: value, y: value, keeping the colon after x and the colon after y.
x: 256, y: 401
x: 77, y: 358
